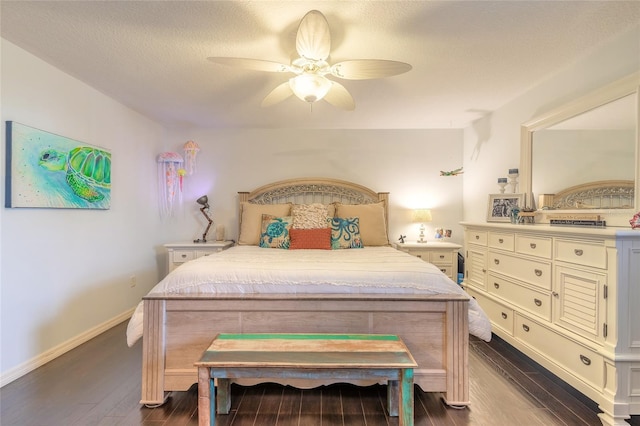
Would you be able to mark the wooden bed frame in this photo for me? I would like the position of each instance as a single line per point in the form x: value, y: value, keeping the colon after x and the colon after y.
x: 178, y: 328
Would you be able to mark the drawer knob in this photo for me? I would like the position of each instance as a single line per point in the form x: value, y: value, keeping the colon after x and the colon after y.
x: 501, y: 241
x: 578, y: 252
x: 532, y: 245
x: 538, y: 302
x: 419, y: 255
x: 504, y: 316
x: 538, y: 272
x: 484, y: 270
x: 442, y: 256
x: 585, y: 360
x: 496, y: 261
x: 555, y: 294
x: 525, y: 327
x: 477, y: 237
x: 183, y: 255
x: 496, y: 285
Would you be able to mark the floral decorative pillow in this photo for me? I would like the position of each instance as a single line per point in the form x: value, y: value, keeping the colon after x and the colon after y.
x: 309, y: 216
x: 345, y: 232
x: 275, y: 232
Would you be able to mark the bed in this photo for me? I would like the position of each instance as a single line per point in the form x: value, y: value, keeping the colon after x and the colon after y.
x: 249, y: 288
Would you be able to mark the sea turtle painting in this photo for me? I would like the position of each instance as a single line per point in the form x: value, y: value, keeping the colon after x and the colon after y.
x: 87, y: 169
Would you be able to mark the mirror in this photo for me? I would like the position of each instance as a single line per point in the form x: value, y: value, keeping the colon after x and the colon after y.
x: 588, y: 141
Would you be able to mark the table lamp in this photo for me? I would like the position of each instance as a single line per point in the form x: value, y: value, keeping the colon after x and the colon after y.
x: 204, y: 202
x: 422, y: 216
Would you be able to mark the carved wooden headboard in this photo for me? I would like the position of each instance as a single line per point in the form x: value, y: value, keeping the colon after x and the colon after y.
x: 314, y: 190
x: 606, y: 194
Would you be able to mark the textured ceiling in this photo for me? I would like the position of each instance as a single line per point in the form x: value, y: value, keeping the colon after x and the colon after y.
x: 468, y: 57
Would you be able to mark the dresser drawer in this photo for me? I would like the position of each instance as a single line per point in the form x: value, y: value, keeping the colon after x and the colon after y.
x: 582, y: 253
x: 501, y: 241
x: 537, y: 273
x: 440, y: 257
x: 477, y: 237
x: 181, y: 256
x: 534, y: 246
x: 585, y: 363
x: 533, y: 301
x: 501, y: 317
x: 447, y: 270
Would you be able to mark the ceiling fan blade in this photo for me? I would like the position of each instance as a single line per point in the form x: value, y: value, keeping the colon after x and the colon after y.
x: 313, y: 40
x: 278, y: 94
x: 363, y: 69
x: 251, y: 64
x: 340, y: 97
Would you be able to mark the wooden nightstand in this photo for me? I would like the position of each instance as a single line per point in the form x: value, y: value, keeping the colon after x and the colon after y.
x: 442, y: 254
x: 178, y: 253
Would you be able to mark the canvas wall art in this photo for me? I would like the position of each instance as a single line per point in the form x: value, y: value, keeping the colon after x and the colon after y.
x: 45, y: 170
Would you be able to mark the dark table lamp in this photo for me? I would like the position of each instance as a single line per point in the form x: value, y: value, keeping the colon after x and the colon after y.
x: 204, y: 202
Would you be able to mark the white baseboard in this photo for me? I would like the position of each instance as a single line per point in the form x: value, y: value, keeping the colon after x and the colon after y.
x: 9, y: 376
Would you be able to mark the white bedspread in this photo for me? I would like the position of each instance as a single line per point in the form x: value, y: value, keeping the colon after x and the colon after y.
x: 251, y: 269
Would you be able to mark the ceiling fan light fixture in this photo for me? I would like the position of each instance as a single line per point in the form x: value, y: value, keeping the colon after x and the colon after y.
x: 310, y: 87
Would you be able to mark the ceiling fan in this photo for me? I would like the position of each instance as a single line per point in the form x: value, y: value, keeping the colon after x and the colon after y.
x: 310, y: 84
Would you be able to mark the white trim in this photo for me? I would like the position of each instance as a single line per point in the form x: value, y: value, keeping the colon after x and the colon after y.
x: 9, y: 376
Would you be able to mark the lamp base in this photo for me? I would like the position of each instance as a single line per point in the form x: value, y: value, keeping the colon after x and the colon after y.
x: 421, y: 239
x: 200, y: 240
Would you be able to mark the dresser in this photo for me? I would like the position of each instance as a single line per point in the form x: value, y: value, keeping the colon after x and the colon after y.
x: 178, y: 253
x: 567, y: 297
x: 442, y: 254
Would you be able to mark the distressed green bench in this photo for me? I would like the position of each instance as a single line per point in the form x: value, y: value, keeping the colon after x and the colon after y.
x: 330, y: 357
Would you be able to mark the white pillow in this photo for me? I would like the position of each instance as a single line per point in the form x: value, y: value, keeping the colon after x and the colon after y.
x: 309, y: 216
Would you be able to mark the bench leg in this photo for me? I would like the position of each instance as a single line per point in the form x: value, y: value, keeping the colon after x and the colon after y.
x: 406, y: 397
x: 223, y: 396
x: 206, y: 404
x: 392, y: 398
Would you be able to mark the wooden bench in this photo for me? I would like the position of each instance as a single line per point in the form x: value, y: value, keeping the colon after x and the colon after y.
x: 308, y: 356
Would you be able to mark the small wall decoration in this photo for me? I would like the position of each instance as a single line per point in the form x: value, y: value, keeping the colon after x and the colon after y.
x: 170, y: 182
x: 191, y: 150
x: 455, y: 172
x: 46, y: 170
x: 501, y: 207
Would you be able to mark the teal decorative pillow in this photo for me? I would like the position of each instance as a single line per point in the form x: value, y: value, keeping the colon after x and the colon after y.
x: 275, y: 232
x: 345, y: 232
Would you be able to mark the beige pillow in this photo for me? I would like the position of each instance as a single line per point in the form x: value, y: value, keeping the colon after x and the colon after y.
x: 373, y: 228
x: 251, y: 220
x: 309, y: 216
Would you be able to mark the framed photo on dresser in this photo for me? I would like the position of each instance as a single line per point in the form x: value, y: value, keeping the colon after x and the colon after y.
x: 500, y: 206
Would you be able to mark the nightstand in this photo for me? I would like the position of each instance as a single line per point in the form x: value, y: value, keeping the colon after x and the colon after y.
x: 178, y: 253
x: 442, y: 254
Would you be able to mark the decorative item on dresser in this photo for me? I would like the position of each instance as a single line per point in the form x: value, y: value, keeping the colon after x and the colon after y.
x: 178, y: 253
x: 564, y: 296
x: 442, y: 254
x: 500, y: 207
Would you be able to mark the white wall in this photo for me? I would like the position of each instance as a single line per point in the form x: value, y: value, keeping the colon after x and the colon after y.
x: 406, y: 163
x: 492, y: 144
x: 65, y: 274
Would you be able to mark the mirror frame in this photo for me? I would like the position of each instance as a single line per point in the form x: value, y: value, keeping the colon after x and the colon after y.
x: 616, y: 90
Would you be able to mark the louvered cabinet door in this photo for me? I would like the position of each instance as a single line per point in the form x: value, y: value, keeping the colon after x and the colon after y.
x: 579, y: 303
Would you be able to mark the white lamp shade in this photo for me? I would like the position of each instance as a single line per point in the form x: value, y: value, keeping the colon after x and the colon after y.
x: 421, y: 215
x: 310, y: 87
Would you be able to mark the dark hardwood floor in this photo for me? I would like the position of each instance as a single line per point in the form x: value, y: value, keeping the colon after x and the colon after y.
x: 98, y: 384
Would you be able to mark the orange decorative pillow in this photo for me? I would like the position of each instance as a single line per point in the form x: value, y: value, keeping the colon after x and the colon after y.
x: 319, y: 238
